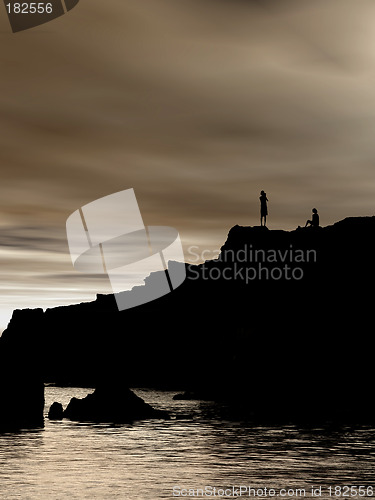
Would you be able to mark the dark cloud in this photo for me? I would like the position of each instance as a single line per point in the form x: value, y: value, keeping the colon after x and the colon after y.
x: 31, y: 239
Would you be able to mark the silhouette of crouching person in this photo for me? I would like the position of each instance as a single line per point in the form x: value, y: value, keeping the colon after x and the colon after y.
x: 314, y: 222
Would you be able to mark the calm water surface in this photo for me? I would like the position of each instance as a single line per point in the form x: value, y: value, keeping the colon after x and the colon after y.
x: 148, y: 459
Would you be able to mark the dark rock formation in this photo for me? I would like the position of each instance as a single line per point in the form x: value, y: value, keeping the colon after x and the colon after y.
x: 111, y: 403
x: 21, y: 381
x: 56, y: 411
x: 21, y: 396
x: 279, y: 326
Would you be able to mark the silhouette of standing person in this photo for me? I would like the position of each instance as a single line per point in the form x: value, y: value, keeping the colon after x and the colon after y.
x: 314, y: 222
x: 263, y: 207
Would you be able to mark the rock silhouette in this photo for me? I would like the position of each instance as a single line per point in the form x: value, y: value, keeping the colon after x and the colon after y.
x: 240, y: 329
x: 111, y: 403
x: 56, y: 411
x: 22, y: 402
x: 21, y: 380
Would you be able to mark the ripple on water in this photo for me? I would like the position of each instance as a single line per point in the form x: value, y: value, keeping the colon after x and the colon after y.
x: 146, y: 459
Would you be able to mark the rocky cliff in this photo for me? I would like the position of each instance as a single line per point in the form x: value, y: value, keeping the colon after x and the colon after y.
x: 280, y: 325
x: 21, y: 375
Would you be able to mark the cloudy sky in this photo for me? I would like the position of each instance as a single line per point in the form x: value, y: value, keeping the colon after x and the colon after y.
x: 197, y: 105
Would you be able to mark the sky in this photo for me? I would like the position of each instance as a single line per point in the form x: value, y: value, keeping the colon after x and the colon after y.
x: 197, y: 105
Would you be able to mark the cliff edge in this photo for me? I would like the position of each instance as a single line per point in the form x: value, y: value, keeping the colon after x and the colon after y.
x: 280, y: 324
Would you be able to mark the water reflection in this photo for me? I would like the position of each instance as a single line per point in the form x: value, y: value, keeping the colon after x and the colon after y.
x: 146, y: 459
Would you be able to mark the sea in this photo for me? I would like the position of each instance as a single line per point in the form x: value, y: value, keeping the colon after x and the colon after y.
x: 195, y: 454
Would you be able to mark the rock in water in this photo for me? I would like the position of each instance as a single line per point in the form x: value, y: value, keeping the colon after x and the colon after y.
x: 21, y: 383
x: 56, y: 411
x: 22, y: 403
x: 111, y: 404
